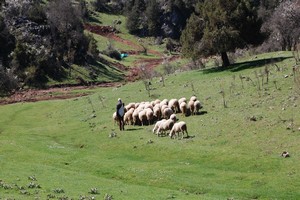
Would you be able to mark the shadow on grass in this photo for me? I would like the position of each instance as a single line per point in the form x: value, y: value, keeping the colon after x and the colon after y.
x: 133, y: 129
x: 201, y: 113
x: 94, y: 20
x: 102, y: 70
x: 189, y: 137
x: 246, y: 65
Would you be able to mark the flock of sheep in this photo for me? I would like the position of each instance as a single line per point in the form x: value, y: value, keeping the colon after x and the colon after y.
x: 163, y: 113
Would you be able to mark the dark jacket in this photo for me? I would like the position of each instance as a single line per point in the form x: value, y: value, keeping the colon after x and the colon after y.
x: 120, y: 109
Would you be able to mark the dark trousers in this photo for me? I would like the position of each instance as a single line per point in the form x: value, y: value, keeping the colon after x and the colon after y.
x: 121, y: 122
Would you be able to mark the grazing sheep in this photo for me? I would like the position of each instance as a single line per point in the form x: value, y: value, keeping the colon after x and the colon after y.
x: 174, y: 105
x: 135, y: 117
x: 164, y: 102
x: 157, y: 124
x: 164, y: 126
x: 173, y: 117
x: 162, y: 107
x: 183, y: 108
x: 183, y: 99
x: 157, y: 111
x: 128, y: 119
x: 197, y: 106
x: 155, y: 102
x: 115, y: 118
x: 167, y: 112
x: 130, y: 105
x: 191, y: 107
x: 142, y: 116
x: 137, y: 105
x: 148, y: 105
x: 177, y: 128
x: 193, y: 98
x: 149, y: 115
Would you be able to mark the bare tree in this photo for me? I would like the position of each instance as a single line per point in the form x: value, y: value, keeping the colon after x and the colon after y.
x: 283, y: 25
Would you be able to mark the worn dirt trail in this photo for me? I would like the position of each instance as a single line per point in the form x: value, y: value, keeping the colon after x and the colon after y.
x: 65, y: 91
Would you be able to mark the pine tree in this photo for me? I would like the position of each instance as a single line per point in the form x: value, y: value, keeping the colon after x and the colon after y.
x: 135, y: 16
x: 153, y: 15
x: 226, y: 27
x: 191, y: 36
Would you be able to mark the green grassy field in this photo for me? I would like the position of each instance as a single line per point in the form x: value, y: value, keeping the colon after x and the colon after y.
x: 61, y: 149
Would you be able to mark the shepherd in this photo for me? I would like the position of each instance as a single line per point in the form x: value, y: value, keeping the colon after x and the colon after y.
x: 120, y: 114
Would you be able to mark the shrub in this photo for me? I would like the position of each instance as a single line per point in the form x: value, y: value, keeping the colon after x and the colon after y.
x: 112, y: 52
x: 8, y: 82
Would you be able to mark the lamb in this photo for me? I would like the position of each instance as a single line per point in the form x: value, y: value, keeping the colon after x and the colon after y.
x: 157, y: 124
x: 183, y: 108
x: 197, y: 106
x: 177, y: 128
x: 164, y: 126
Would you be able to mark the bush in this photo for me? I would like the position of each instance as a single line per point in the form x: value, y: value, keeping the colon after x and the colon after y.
x: 112, y: 52
x: 8, y: 82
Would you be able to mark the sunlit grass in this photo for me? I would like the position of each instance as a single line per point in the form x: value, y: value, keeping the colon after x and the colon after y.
x: 66, y: 144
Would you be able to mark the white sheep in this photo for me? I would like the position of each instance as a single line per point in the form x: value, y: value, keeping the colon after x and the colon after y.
x: 128, y: 119
x: 157, y: 111
x: 135, y: 117
x: 193, y: 98
x: 179, y: 127
x: 164, y: 126
x: 183, y: 108
x: 164, y: 102
x: 167, y: 112
x: 174, y: 105
x: 115, y: 118
x: 157, y: 124
x: 155, y: 102
x: 173, y: 117
x: 191, y: 106
x: 149, y: 115
x: 197, y: 106
x: 142, y: 116
x: 130, y: 105
x: 183, y: 99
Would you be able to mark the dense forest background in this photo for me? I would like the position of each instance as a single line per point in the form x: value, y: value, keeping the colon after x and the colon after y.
x: 42, y: 39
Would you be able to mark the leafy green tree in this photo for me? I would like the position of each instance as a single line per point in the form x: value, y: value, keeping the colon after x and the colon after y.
x: 191, y: 36
x: 226, y: 27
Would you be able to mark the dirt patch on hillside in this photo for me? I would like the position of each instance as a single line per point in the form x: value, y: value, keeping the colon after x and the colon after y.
x: 55, y: 93
x: 67, y: 91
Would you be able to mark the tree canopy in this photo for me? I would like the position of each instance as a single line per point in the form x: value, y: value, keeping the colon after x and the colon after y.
x: 225, y: 26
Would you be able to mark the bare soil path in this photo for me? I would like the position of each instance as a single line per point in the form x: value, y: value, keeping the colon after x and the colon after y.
x: 67, y: 91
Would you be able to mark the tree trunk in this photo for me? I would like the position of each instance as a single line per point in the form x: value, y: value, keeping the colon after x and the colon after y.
x: 225, y: 59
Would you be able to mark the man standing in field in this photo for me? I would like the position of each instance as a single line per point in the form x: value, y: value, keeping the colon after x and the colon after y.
x: 120, y: 114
